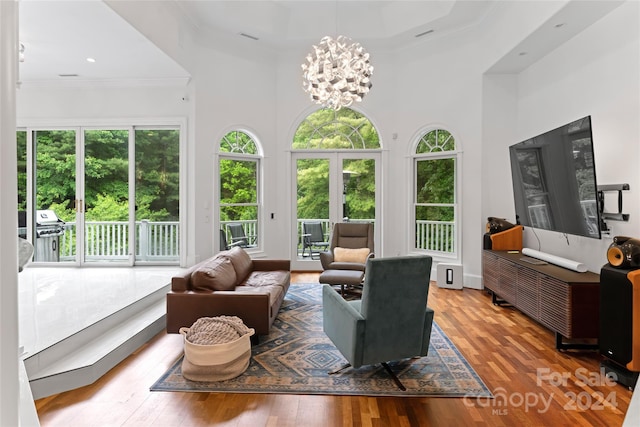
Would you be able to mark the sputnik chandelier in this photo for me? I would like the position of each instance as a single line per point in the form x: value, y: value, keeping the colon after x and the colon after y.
x: 337, y: 72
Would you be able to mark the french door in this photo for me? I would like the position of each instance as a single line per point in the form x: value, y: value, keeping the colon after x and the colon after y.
x: 100, y: 195
x: 331, y: 187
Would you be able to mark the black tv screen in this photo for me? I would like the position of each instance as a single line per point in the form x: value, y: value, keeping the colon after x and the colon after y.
x: 554, y: 180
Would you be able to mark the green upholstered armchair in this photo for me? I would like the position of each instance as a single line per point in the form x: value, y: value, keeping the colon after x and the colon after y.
x: 390, y: 322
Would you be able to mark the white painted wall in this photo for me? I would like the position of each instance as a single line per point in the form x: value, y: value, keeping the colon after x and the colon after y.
x: 9, y: 362
x: 86, y: 103
x: 233, y: 93
x: 595, y: 73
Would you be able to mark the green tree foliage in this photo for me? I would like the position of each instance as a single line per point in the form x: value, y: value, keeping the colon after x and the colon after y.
x: 238, y: 186
x: 313, y: 188
x: 435, y: 177
x: 238, y: 142
x: 435, y: 184
x: 345, y: 129
x: 56, y: 172
x: 360, y: 189
x: 106, y: 174
x: 332, y: 130
x: 158, y: 175
x: 106, y: 170
x: 238, y: 178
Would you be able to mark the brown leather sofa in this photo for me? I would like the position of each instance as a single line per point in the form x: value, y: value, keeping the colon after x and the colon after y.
x: 232, y: 284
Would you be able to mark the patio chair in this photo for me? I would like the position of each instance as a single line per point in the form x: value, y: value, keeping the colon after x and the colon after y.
x: 313, y: 238
x: 238, y: 236
x: 224, y: 246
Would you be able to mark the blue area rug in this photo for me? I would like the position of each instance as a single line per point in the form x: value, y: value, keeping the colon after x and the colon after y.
x: 296, y: 356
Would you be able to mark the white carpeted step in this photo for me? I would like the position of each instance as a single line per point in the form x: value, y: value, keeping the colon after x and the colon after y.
x: 87, y: 355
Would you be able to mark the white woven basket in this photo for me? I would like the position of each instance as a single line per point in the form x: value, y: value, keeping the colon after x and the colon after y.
x: 216, y: 362
x: 215, y: 354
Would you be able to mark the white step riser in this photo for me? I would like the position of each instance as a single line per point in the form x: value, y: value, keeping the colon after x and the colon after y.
x: 87, y: 355
x: 81, y: 377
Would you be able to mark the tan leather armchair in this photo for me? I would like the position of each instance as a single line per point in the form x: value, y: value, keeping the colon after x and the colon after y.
x: 348, y: 235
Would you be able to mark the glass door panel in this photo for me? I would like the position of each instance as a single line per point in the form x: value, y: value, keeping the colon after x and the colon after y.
x: 106, y: 195
x: 239, y: 202
x: 312, y: 201
x: 53, y: 221
x: 359, y: 190
x: 330, y: 188
x: 157, y: 184
x: 21, y: 145
x: 74, y: 188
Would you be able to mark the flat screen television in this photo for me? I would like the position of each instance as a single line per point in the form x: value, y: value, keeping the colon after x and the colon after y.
x: 554, y: 180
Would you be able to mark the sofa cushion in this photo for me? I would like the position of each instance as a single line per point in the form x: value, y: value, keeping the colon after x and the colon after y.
x: 241, y: 262
x: 217, y: 274
x: 350, y: 255
x: 274, y: 291
x: 267, y: 278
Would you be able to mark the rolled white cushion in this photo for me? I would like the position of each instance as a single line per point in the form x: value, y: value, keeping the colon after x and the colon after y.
x: 350, y: 255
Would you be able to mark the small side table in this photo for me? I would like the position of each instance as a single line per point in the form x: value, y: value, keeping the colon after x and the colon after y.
x: 342, y: 278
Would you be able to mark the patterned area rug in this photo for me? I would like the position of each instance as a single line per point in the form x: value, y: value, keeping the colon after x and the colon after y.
x: 296, y: 356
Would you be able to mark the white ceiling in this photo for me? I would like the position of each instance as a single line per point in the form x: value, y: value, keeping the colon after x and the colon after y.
x: 59, y: 36
x: 282, y: 24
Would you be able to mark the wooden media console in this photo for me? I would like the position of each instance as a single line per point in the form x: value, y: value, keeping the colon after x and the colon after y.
x: 565, y: 301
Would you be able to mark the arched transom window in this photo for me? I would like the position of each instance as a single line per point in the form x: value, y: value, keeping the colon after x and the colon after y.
x: 327, y: 129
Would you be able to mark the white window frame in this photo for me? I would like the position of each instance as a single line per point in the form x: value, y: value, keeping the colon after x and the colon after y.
x: 456, y: 155
x: 236, y: 156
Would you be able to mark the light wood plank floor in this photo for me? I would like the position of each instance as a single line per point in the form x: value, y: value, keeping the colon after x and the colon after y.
x: 534, y: 384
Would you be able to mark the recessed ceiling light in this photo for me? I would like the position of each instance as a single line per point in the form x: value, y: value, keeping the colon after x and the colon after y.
x: 249, y: 36
x: 424, y: 33
x: 92, y: 60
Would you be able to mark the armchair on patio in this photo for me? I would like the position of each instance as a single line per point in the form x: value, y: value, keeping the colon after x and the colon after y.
x: 313, y: 238
x: 238, y: 236
x: 348, y: 248
x: 390, y: 322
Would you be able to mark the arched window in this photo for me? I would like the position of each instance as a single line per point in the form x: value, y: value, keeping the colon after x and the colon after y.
x: 327, y: 129
x: 435, y: 201
x: 239, y: 171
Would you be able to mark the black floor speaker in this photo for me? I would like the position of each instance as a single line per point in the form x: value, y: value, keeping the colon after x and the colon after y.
x: 616, y: 338
x: 619, y: 374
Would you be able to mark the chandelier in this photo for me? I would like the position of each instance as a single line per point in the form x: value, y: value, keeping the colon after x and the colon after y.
x: 337, y: 72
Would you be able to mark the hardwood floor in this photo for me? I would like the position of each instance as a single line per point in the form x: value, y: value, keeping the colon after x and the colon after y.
x: 534, y: 384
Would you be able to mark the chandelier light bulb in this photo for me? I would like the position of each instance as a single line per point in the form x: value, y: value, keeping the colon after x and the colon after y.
x: 337, y: 72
